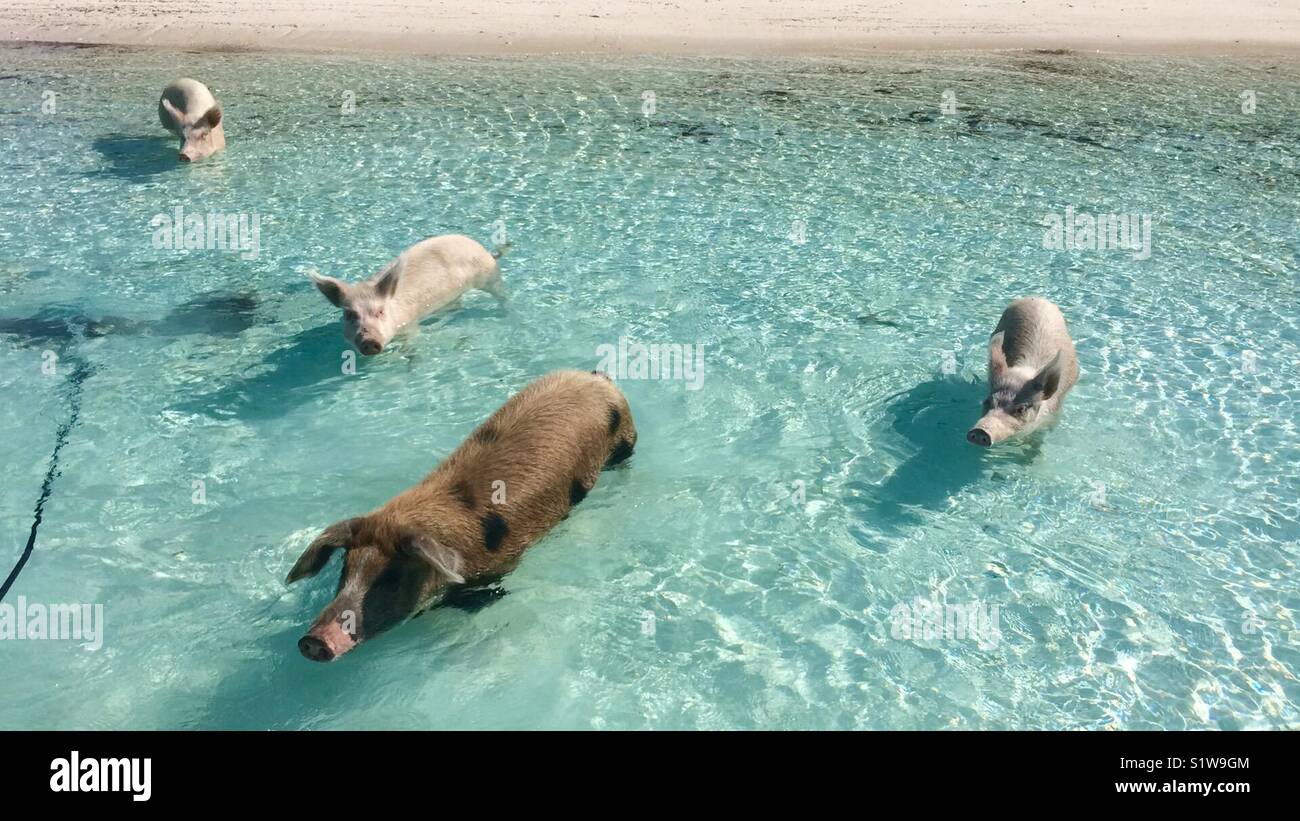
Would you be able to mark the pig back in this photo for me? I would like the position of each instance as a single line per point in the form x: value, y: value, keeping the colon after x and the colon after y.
x: 1033, y: 331
x: 190, y: 97
x: 524, y: 469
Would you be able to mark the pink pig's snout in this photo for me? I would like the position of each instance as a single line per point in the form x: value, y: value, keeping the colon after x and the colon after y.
x: 184, y: 157
x: 326, y: 641
x: 369, y: 346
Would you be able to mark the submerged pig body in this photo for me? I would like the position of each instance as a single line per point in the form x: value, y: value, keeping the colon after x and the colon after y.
x: 423, y: 279
x: 1032, y: 366
x: 472, y: 518
x: 188, y: 110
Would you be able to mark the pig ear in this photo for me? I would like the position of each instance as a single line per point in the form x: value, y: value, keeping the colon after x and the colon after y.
x: 386, y: 284
x: 443, y: 559
x: 1047, y: 380
x: 335, y: 290
x: 175, y: 112
x: 213, y: 117
x: 997, y: 357
x: 319, y: 551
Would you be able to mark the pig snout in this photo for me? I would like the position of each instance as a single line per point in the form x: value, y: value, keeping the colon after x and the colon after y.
x: 369, y: 346
x: 989, y: 430
x: 186, y: 157
x: 326, y: 642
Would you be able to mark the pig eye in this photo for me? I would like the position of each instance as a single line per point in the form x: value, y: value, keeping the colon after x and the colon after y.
x: 380, y: 312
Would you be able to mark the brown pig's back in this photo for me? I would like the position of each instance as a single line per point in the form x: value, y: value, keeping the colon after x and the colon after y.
x: 521, y: 471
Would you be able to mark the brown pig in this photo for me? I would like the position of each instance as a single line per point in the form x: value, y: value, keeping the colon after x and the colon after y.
x: 471, y: 519
x: 1032, y: 366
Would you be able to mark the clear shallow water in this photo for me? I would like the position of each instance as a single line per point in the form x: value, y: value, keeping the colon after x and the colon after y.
x: 1142, y: 554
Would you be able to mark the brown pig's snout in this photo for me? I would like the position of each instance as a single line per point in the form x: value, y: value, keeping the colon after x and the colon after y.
x: 326, y: 642
x: 186, y: 157
x: 979, y: 436
x: 369, y: 346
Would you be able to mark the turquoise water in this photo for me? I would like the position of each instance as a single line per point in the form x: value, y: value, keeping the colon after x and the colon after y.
x: 838, y: 245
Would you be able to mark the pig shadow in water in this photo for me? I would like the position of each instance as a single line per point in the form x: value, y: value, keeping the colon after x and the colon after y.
x: 136, y: 157
x: 931, y: 419
x: 308, y: 367
x: 291, y: 375
x: 289, y: 691
x: 214, y: 314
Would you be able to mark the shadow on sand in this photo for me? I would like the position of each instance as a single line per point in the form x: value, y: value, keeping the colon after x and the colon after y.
x: 214, y: 314
x: 136, y: 157
x: 930, y: 421
x: 291, y: 375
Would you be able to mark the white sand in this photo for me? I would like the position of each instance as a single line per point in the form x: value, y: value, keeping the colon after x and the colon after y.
x: 722, y: 27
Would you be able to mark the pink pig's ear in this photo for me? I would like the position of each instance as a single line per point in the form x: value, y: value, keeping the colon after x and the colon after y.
x: 213, y: 117
x: 997, y: 357
x: 335, y: 290
x: 175, y: 113
x: 386, y: 284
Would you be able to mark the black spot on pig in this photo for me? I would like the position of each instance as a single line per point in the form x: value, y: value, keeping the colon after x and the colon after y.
x: 486, y: 434
x: 464, y: 493
x: 614, y: 418
x: 494, y: 531
x: 620, y: 454
x: 577, y: 492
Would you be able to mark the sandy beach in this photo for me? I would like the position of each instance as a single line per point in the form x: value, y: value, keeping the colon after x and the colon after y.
x: 718, y: 27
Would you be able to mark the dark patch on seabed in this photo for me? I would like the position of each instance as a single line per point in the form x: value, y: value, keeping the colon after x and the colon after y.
x: 682, y: 130
x: 80, y: 371
x: 218, y: 314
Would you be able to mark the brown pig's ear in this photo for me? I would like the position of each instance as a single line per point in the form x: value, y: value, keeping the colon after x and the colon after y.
x: 443, y: 559
x: 213, y: 117
x: 319, y: 551
x: 997, y: 357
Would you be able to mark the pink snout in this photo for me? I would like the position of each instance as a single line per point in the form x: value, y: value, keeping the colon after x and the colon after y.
x: 979, y: 436
x: 184, y: 157
x: 368, y: 346
x: 326, y: 642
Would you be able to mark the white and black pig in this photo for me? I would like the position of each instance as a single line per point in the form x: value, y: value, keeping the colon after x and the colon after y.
x: 188, y: 110
x: 1032, y: 366
x: 424, y: 278
x: 471, y: 519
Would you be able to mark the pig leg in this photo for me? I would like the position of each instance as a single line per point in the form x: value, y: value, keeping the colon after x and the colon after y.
x: 473, y: 599
x: 496, y: 286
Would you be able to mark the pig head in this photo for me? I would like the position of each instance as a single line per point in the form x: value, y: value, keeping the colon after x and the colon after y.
x: 370, y: 314
x: 200, y: 132
x: 1017, y: 397
x: 390, y: 573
